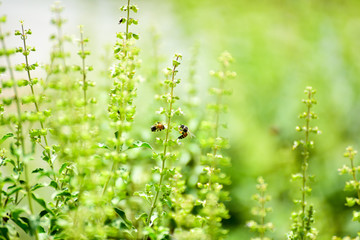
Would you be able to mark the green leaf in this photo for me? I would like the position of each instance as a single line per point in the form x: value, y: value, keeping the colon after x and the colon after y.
x: 6, y: 136
x: 64, y: 193
x: 53, y: 184
x: 36, y: 186
x: 42, y: 203
x: 63, y: 166
x: 142, y: 216
x: 8, y: 160
x: 135, y: 36
x: 28, y: 223
x: 122, y: 214
x: 9, y: 180
x: 23, y: 225
x: 43, y: 213
x: 168, y: 202
x: 15, y: 217
x: 356, y: 216
x: 16, y: 212
x: 38, y: 170
x: 350, y: 202
x: 139, y: 144
x: 15, y: 190
x: 4, y: 233
x: 40, y: 229
x: 14, y: 151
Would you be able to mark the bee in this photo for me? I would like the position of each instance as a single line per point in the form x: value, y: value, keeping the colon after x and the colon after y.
x: 157, y: 127
x: 184, y: 131
x: 122, y: 20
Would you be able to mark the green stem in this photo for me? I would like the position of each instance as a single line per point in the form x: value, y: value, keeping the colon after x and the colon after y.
x: 23, y: 36
x: 17, y: 101
x: 127, y: 20
x: 262, y: 221
x: 61, y: 187
x: 29, y: 195
x: 85, y: 128
x: 353, y: 171
x: 1, y: 189
x: 19, y: 138
x: 19, y: 133
x: 113, y: 167
x: 153, y: 205
x: 305, y: 165
x: 60, y: 39
x: 83, y: 70
x: 217, y: 123
x: 123, y: 102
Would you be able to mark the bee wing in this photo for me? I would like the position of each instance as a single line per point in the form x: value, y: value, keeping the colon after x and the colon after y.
x: 191, y: 134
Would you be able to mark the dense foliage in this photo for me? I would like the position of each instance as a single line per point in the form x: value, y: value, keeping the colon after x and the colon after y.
x: 119, y: 150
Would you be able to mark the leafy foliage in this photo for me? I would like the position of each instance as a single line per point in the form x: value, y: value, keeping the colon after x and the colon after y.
x: 303, y: 220
x: 351, y: 186
x: 78, y: 165
x: 261, y: 211
x: 94, y: 193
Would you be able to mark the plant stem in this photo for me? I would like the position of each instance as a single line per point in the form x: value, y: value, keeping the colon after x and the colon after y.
x: 85, y: 126
x: 127, y: 20
x: 19, y: 134
x: 19, y: 137
x: 262, y: 220
x: 61, y: 187
x: 217, y: 121
x: 60, y: 39
x: 48, y: 153
x: 153, y: 205
x: 23, y: 37
x: 109, y: 178
x: 83, y: 70
x: 305, y: 164
x: 16, y: 98
x: 353, y: 171
x: 123, y: 102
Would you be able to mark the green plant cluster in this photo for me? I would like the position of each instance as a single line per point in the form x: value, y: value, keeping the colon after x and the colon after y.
x: 261, y: 211
x: 87, y: 185
x: 352, y: 186
x: 303, y: 220
x: 73, y: 169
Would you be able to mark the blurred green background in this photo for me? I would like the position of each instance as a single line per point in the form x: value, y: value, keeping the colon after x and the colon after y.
x: 280, y: 47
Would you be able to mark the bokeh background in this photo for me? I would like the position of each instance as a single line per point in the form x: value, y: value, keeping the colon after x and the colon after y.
x: 279, y: 47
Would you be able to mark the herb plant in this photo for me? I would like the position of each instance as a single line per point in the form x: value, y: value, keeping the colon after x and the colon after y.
x: 212, y: 180
x: 261, y: 227
x: 351, y: 186
x: 77, y: 161
x: 303, y: 220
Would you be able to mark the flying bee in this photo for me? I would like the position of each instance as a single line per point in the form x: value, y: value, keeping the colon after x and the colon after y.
x: 184, y: 131
x: 158, y: 127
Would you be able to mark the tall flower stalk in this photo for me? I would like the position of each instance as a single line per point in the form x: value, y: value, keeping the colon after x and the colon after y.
x: 36, y: 134
x: 212, y: 180
x: 352, y: 186
x: 20, y: 152
x: 121, y: 108
x: 303, y: 220
x: 169, y: 113
x: 261, y: 211
x: 19, y: 133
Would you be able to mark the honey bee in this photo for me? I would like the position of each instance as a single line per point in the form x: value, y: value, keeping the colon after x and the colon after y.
x: 157, y: 127
x: 184, y: 131
x: 122, y: 20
